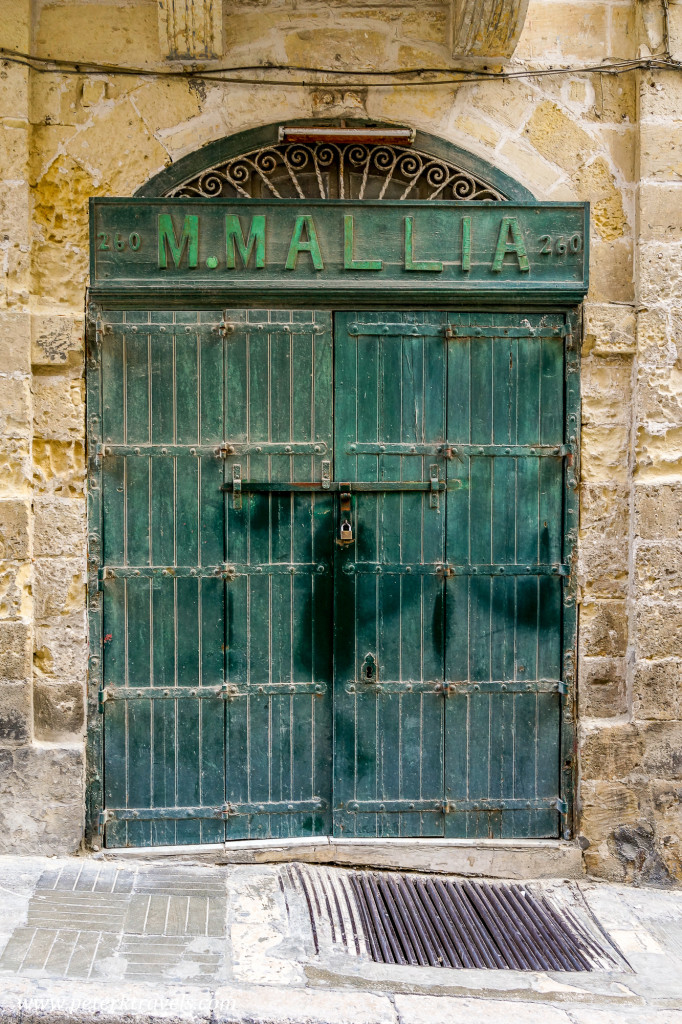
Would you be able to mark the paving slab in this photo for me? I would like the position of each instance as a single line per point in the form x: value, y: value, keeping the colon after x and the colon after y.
x: 85, y: 940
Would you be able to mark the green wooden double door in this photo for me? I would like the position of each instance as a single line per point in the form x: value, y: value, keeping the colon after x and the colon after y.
x: 332, y: 561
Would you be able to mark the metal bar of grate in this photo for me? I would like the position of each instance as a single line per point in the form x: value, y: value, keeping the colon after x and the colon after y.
x: 444, y: 923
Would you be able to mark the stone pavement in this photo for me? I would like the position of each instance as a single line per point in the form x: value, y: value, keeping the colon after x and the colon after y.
x: 85, y: 939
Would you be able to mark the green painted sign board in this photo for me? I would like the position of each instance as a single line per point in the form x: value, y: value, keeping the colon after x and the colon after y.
x: 326, y: 248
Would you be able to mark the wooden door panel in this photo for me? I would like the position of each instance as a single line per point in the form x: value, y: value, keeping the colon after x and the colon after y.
x: 505, y: 537
x: 163, y: 608
x: 390, y: 399
x: 278, y: 377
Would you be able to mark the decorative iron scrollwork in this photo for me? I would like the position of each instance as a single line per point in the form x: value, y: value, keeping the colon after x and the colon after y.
x: 336, y: 171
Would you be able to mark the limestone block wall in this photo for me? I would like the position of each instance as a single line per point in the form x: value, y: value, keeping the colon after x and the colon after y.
x: 613, y: 139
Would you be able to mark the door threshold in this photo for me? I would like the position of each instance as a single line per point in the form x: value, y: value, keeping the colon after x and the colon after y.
x: 473, y: 858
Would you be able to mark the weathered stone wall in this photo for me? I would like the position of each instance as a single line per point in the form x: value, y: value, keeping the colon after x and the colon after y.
x: 615, y: 140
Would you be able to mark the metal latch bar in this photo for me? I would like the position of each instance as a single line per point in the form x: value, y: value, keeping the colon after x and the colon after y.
x: 435, y: 486
x: 357, y: 486
x: 237, y: 486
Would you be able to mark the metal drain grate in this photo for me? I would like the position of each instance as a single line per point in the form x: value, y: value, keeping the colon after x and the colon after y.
x: 432, y: 921
x: 444, y: 923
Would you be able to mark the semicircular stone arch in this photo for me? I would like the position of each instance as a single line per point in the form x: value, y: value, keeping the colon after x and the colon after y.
x: 258, y: 165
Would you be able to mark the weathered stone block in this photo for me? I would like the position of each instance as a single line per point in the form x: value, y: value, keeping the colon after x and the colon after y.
x: 661, y: 800
x: 58, y: 467
x: 614, y: 99
x: 603, y: 629
x: 659, y: 391
x: 524, y: 163
x: 609, y: 330
x: 604, y: 453
x: 41, y: 800
x: 660, y: 272
x: 638, y: 848
x: 623, y: 37
x: 16, y: 712
x: 658, y: 452
x: 606, y: 390
x: 657, y: 690
x: 603, y: 567
x: 13, y: 90
x: 602, y: 687
x: 658, y: 511
x: 139, y: 155
x: 16, y: 25
x: 60, y: 652
x: 13, y: 149
x: 55, y: 338
x: 658, y: 569
x: 604, y: 805
x: 658, y: 630
x: 60, y: 215
x: 564, y: 30
x: 611, y: 271
x: 59, y: 526
x: 15, y: 407
x: 661, y: 152
x: 15, y: 345
x: 482, y: 131
x: 59, y: 710
x: 596, y: 183
x: 370, y: 48
x: 507, y: 101
x: 166, y: 103
x: 611, y: 753
x: 556, y: 137
x: 662, y: 745
x: 127, y: 35
x: 660, y: 212
x: 604, y: 511
x: 15, y: 468
x: 621, y: 144
x: 15, y: 540
x: 15, y: 650
x: 15, y: 590
x: 657, y: 337
x: 47, y: 143
x: 93, y: 92
x: 430, y: 107
x: 58, y: 407
x: 660, y: 97
x: 59, y: 588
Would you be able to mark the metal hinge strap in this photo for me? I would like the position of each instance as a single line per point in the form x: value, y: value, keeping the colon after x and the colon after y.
x: 456, y: 333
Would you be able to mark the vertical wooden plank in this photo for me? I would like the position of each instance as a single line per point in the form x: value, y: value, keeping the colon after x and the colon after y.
x: 187, y: 395
x: 113, y: 400
x: 137, y: 517
x: 113, y: 510
x: 163, y: 473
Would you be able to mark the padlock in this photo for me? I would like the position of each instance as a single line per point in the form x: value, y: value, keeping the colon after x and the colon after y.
x: 346, y: 532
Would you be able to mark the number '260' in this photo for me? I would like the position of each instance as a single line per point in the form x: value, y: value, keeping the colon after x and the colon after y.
x: 106, y: 241
x: 560, y: 245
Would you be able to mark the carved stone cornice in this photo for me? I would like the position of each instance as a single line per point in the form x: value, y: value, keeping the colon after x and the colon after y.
x: 191, y: 29
x: 486, y: 28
